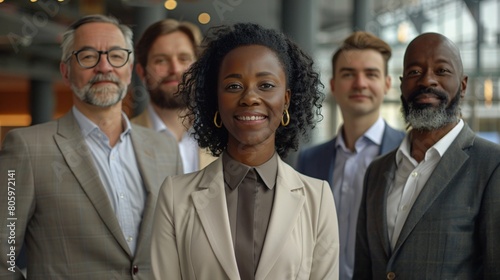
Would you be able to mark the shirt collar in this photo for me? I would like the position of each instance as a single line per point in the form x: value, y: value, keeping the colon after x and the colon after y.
x: 159, y: 125
x: 444, y: 143
x: 87, y: 126
x: 235, y: 171
x: 440, y: 147
x: 374, y: 134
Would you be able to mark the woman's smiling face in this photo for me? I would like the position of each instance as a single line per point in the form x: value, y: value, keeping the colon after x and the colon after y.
x: 252, y: 95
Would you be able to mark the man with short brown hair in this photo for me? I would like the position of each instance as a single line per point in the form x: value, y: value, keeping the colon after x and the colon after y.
x: 165, y: 51
x: 359, y: 83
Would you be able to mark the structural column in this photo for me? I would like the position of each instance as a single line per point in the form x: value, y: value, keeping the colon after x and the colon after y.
x: 300, y: 22
x: 42, y: 101
x: 144, y: 17
x: 362, y: 15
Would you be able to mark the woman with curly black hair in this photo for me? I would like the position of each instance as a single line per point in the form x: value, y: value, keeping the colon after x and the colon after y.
x: 252, y: 95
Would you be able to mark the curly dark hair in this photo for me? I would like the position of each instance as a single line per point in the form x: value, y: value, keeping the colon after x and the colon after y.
x: 199, y: 85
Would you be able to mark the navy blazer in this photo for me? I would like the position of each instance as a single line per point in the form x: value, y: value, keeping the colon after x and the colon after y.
x: 319, y: 161
x: 452, y: 230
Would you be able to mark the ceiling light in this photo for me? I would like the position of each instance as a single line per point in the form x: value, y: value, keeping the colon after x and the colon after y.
x: 204, y: 18
x: 170, y: 4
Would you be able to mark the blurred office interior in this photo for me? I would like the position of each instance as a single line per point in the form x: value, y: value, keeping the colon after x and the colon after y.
x: 32, y: 92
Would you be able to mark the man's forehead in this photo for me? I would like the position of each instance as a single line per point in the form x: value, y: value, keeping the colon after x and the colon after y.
x: 99, y: 33
x: 360, y: 58
x: 438, y: 53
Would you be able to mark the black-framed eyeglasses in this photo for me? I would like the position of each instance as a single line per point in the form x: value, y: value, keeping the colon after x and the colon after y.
x: 89, y: 58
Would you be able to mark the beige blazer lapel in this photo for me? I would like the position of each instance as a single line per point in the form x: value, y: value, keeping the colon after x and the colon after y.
x: 210, y: 203
x: 76, y: 153
x: 287, y: 206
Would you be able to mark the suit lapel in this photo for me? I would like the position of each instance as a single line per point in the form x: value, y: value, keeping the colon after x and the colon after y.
x: 390, y: 140
x: 439, y: 180
x: 211, y: 206
x: 143, y: 119
x: 146, y: 161
x: 78, y: 156
x: 330, y: 164
x: 387, y: 177
x: 286, y: 210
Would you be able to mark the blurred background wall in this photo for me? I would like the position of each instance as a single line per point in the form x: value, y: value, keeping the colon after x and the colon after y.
x: 31, y: 90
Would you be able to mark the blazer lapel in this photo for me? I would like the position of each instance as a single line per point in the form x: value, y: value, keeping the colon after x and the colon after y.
x: 390, y: 140
x: 210, y: 203
x: 329, y: 165
x: 439, y: 180
x: 78, y: 156
x: 286, y: 209
x: 146, y: 161
x: 143, y: 119
x: 387, y: 176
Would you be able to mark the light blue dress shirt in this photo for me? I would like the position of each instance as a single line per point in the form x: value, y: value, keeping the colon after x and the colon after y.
x: 348, y: 175
x: 119, y: 174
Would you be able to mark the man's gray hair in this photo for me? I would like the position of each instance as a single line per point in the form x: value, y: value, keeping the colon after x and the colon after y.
x: 69, y: 36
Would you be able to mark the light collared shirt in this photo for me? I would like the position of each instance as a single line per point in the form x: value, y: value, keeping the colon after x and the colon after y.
x: 410, y: 178
x: 348, y: 174
x: 119, y: 173
x: 188, y: 147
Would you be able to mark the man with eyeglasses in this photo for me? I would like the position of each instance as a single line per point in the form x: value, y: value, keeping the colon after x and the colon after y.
x: 85, y: 186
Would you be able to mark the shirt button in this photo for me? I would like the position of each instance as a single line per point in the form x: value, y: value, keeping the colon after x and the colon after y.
x: 122, y: 196
x: 391, y: 275
x: 404, y: 208
x: 414, y: 174
x: 129, y: 239
x: 135, y: 269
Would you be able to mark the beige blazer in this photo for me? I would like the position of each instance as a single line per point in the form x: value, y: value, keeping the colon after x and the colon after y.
x: 144, y: 119
x: 192, y: 237
x: 63, y: 214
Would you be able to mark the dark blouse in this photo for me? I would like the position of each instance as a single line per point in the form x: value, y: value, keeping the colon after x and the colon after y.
x: 234, y: 175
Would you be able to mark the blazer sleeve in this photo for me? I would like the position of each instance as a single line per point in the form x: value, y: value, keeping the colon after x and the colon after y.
x: 325, y: 264
x: 490, y: 226
x: 164, y: 255
x: 17, y: 195
x: 362, y: 260
x: 299, y: 164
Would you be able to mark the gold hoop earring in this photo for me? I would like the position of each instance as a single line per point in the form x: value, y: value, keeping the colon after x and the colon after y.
x: 283, y: 122
x: 218, y: 125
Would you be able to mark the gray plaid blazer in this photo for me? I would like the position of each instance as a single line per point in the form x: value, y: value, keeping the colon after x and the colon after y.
x: 453, y: 229
x: 64, y: 217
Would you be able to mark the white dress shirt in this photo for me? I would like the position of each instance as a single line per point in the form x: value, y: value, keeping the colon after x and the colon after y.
x: 410, y: 178
x: 188, y: 147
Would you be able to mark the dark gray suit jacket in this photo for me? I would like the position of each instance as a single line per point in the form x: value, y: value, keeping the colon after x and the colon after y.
x: 452, y: 230
x: 63, y: 214
x: 319, y: 161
